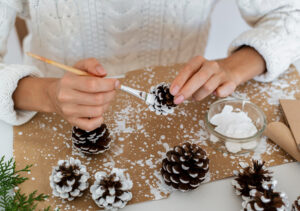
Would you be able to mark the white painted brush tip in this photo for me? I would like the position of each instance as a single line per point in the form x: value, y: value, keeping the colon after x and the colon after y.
x: 150, y: 99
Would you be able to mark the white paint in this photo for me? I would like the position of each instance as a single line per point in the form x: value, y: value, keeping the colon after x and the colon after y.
x: 233, y: 124
x: 233, y: 147
x: 249, y: 145
x: 150, y: 100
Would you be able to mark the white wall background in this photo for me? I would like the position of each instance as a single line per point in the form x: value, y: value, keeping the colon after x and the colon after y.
x: 13, y: 55
x: 226, y: 25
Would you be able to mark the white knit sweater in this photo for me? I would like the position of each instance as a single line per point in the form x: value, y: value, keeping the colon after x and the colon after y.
x: 126, y: 35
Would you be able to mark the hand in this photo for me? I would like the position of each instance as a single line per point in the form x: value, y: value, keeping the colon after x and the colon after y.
x: 201, y: 77
x: 82, y: 100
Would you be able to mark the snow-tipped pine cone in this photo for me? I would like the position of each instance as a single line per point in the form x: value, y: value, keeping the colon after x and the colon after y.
x: 266, y: 200
x: 296, y: 205
x: 163, y: 100
x: 185, y: 167
x: 251, y: 177
x: 113, y: 191
x: 69, y: 179
x: 91, y: 142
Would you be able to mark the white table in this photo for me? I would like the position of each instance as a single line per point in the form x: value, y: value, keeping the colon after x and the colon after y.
x: 213, y: 196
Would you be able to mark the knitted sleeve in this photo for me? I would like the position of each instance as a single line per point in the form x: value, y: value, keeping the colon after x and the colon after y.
x: 11, y: 74
x: 275, y: 33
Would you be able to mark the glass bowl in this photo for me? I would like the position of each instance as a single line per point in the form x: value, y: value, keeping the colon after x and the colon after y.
x: 231, y: 144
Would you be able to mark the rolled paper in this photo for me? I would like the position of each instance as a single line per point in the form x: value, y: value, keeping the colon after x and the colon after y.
x: 291, y: 113
x: 281, y: 135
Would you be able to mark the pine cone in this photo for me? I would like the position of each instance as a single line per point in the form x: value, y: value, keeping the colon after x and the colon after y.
x: 267, y: 199
x: 111, y: 192
x: 251, y: 177
x: 296, y: 205
x: 163, y: 100
x: 69, y: 179
x: 185, y: 167
x: 91, y: 142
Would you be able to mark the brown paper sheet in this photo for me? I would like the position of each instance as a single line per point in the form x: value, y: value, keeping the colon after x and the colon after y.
x: 141, y: 138
x: 291, y: 110
x: 281, y: 135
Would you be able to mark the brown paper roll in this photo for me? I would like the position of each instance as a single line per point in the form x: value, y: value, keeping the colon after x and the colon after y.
x: 282, y: 136
x: 291, y: 112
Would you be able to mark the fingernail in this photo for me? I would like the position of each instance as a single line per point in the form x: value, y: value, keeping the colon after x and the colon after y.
x: 117, y: 84
x: 179, y: 99
x: 224, y: 92
x: 174, y: 90
x: 100, y: 70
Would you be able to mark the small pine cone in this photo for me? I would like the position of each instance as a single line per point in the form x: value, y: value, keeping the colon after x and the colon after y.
x: 91, y: 142
x: 111, y: 192
x: 163, y: 100
x: 185, y: 167
x: 296, y: 205
x: 251, y: 177
x: 69, y: 179
x: 267, y: 199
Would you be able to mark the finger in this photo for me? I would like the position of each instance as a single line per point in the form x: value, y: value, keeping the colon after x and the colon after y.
x: 87, y: 124
x: 72, y: 110
x: 194, y: 83
x: 190, y: 68
x: 226, y: 89
x: 83, y: 98
x: 105, y: 107
x: 208, y: 88
x: 91, y: 84
x: 91, y: 65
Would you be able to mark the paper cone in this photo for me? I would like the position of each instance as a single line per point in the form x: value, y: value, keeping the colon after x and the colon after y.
x: 282, y: 136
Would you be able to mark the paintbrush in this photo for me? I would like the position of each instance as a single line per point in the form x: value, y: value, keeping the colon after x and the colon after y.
x: 147, y: 97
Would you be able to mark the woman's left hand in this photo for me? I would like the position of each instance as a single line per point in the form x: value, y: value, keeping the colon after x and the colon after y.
x: 200, y: 77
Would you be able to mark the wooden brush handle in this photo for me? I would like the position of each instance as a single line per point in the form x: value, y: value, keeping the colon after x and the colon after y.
x: 59, y: 65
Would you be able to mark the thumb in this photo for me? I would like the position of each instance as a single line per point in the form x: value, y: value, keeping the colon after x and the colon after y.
x: 225, y: 89
x: 92, y: 66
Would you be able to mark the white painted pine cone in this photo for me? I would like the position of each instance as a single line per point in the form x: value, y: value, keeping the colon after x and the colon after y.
x: 69, y: 179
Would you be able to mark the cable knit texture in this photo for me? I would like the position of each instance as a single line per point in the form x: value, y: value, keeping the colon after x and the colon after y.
x: 127, y: 35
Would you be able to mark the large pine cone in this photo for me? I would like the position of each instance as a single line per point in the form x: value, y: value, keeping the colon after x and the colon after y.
x: 111, y: 192
x: 91, y: 142
x: 185, y: 167
x: 69, y: 179
x: 296, y: 205
x: 267, y: 199
x: 163, y: 100
x: 251, y: 177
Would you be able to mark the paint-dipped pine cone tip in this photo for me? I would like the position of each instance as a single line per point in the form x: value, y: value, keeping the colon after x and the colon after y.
x: 69, y: 179
x: 111, y: 191
x: 185, y: 167
x: 267, y: 199
x: 163, y: 101
x: 91, y: 142
x: 296, y: 204
x: 250, y: 177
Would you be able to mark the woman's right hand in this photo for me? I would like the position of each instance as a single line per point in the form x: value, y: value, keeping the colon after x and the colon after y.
x: 82, y: 100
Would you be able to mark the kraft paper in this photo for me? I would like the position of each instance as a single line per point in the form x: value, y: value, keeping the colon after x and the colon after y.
x: 141, y: 138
